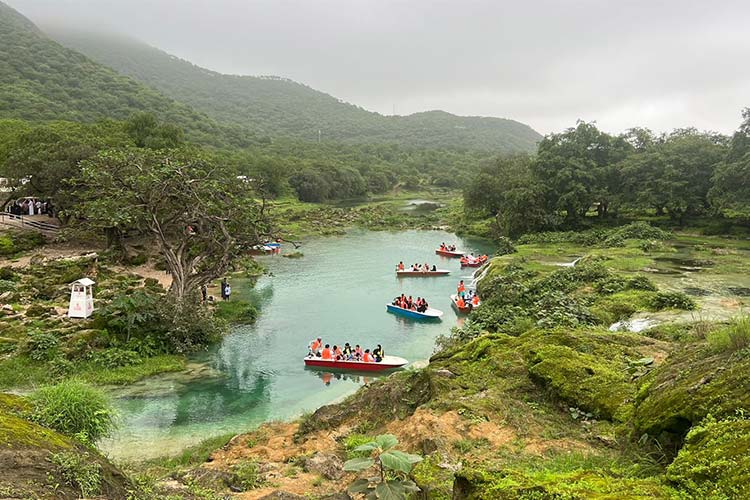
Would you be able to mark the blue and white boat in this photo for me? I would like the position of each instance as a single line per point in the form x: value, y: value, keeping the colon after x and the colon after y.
x: 430, y: 313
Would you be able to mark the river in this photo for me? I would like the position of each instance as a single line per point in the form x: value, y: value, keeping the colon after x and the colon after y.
x: 338, y: 290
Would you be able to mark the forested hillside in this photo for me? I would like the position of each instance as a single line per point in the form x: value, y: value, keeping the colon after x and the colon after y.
x: 41, y: 80
x: 277, y: 107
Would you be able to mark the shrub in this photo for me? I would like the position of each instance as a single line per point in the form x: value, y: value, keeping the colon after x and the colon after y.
x: 353, y: 441
x: 672, y: 300
x: 610, y: 284
x: 247, y: 476
x: 733, y: 337
x: 504, y: 246
x: 36, y: 310
x: 79, y: 472
x: 42, y: 346
x: 636, y: 231
x: 115, y: 357
x: 641, y: 282
x: 7, y: 274
x: 73, y: 408
x: 7, y: 285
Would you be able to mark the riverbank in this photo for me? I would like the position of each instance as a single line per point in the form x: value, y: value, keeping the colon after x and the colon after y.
x: 537, y: 395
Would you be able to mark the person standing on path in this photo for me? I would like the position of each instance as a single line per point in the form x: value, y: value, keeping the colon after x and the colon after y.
x: 224, y: 289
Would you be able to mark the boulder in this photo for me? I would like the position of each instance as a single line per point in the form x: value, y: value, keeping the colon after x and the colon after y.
x: 326, y: 464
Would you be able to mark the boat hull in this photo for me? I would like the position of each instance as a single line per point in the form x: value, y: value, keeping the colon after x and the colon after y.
x: 422, y: 274
x: 446, y: 253
x: 388, y: 363
x: 475, y: 263
x: 408, y: 313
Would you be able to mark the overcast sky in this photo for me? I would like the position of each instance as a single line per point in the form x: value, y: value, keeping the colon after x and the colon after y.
x: 655, y: 63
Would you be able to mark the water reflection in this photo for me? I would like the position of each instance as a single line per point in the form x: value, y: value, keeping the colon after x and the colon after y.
x: 328, y: 377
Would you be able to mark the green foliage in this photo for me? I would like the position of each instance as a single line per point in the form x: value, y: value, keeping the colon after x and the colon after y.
x: 79, y: 472
x: 115, y: 357
x: 42, y: 81
x: 13, y: 242
x: 42, y: 346
x: 715, y: 460
x: 352, y: 442
x: 672, y: 300
x: 733, y: 337
x: 390, y: 462
x: 247, y: 476
x: 236, y: 312
x: 75, y: 409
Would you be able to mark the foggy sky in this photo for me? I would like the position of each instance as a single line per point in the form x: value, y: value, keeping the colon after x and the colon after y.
x: 656, y: 63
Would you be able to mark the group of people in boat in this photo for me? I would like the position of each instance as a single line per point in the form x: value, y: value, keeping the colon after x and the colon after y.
x: 346, y: 353
x: 465, y: 297
x: 404, y: 302
x: 447, y: 248
x: 425, y: 268
x: 472, y: 259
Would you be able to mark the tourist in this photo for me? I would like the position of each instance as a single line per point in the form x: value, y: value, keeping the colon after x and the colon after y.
x: 347, y: 352
x: 204, y: 293
x: 224, y: 289
x: 358, y: 353
x: 337, y: 354
x: 315, y: 346
x: 326, y: 353
x: 461, y: 288
x: 367, y: 357
x: 227, y: 291
x: 401, y: 266
x: 378, y: 354
x: 434, y: 268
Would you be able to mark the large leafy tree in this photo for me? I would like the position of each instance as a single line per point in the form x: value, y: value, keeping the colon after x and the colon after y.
x: 202, y: 215
x: 674, y: 173
x: 730, y: 193
x: 577, y: 168
x: 508, y: 190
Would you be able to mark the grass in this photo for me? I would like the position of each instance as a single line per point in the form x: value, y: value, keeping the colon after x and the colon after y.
x: 733, y: 337
x: 21, y: 372
x: 236, y: 311
x: 79, y: 473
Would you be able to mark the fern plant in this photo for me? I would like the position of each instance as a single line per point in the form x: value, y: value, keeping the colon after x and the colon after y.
x: 393, y: 466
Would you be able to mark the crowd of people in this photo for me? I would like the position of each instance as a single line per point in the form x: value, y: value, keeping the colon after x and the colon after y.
x: 424, y: 268
x: 465, y: 297
x: 447, y: 248
x: 345, y: 353
x: 404, y: 302
x: 30, y: 206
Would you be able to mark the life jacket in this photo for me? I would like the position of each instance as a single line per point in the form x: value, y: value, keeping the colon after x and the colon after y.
x: 315, y: 347
x: 326, y: 354
x: 461, y: 287
x: 475, y: 300
x: 460, y: 302
x: 338, y: 352
x: 400, y: 267
x: 367, y: 358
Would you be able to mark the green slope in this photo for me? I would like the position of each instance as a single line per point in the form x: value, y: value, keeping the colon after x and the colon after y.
x: 278, y: 107
x: 42, y: 80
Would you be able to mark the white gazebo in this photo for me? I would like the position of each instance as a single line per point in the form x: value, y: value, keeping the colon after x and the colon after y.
x: 81, y: 298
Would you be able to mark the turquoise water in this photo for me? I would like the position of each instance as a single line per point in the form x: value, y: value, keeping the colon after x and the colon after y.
x: 338, y: 290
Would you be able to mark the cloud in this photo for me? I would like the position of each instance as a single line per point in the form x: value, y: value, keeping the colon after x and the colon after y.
x: 662, y: 65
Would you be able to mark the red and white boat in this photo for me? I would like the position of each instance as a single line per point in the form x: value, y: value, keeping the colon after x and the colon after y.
x: 473, y: 262
x: 448, y: 253
x: 388, y: 363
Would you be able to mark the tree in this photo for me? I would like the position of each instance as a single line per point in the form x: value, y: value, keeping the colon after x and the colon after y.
x: 508, y: 190
x: 730, y: 192
x: 576, y: 166
x: 201, y: 215
x: 147, y: 132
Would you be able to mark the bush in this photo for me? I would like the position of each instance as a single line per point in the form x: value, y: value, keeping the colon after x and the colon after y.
x: 247, y: 476
x: 42, y: 346
x: 354, y: 440
x: 610, y: 284
x: 7, y: 274
x: 672, y: 300
x: 733, y: 337
x: 73, y: 408
x: 504, y: 246
x: 36, y: 310
x: 641, y: 282
x: 7, y: 286
x: 115, y: 357
x: 636, y: 231
x: 79, y: 473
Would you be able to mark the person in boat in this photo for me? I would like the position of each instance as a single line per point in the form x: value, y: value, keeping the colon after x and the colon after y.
x: 347, y: 351
x: 367, y: 357
x: 460, y: 302
x: 461, y: 288
x: 434, y: 268
x: 326, y: 353
x: 426, y: 267
x: 315, y: 346
x: 378, y: 353
x: 337, y: 354
x: 400, y: 266
x: 475, y: 300
x: 358, y: 353
x: 443, y: 248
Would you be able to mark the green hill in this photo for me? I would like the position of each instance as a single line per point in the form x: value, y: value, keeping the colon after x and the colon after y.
x: 278, y: 107
x: 41, y: 80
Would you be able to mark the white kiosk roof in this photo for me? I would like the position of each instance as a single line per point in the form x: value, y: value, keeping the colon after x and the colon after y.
x: 84, y: 282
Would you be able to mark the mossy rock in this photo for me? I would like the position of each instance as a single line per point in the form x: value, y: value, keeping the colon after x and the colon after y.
x: 582, y: 380
x: 485, y: 483
x: 691, y: 384
x: 26, y: 449
x: 715, y: 460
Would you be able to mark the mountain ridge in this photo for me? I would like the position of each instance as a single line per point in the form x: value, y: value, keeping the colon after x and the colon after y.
x: 277, y: 106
